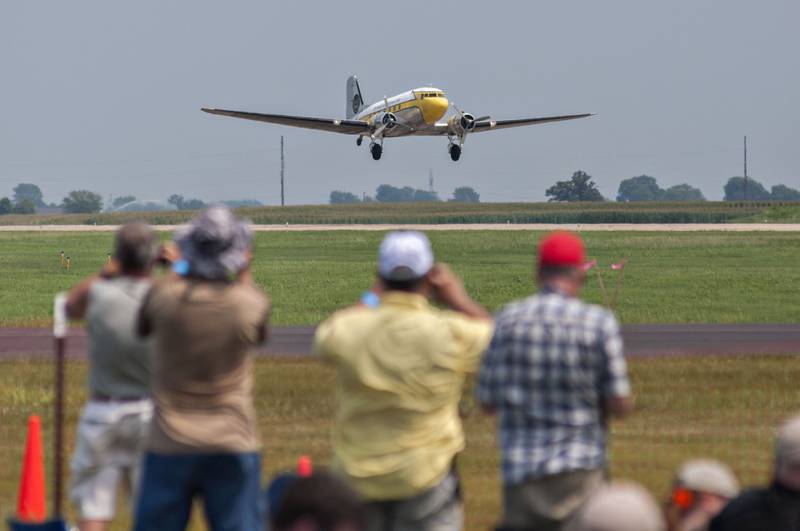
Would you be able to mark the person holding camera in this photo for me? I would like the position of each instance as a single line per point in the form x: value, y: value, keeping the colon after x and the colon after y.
x: 114, y: 422
x: 401, y: 364
x: 205, y: 320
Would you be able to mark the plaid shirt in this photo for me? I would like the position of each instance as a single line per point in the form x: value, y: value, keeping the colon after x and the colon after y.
x: 551, y: 364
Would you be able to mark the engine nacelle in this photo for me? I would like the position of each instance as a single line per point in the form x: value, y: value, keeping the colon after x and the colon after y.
x: 461, y: 123
x: 386, y: 119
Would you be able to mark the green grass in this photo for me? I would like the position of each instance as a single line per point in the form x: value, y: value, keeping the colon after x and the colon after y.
x: 670, y: 277
x: 447, y: 212
x: 725, y: 408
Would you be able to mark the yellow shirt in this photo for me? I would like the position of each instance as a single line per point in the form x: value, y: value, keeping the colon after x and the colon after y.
x: 401, y: 370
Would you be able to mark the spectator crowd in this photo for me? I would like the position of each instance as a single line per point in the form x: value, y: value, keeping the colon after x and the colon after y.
x: 170, y: 413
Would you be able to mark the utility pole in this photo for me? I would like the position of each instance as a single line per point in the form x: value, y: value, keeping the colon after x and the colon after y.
x: 283, y: 198
x: 430, y: 179
x: 745, y: 167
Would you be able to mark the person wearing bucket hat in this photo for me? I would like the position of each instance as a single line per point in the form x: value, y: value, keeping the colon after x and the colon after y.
x: 776, y: 507
x: 401, y: 366
x: 701, y: 490
x: 205, y: 320
x: 553, y: 373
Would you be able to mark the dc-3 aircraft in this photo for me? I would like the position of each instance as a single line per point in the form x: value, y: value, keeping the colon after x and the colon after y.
x: 415, y: 112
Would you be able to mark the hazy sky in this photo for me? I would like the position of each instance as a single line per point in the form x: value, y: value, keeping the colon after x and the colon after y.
x: 106, y: 95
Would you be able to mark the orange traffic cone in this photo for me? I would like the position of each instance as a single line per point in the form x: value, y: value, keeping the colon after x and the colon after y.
x: 31, y: 502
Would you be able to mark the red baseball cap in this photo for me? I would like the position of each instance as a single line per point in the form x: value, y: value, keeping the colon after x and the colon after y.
x: 563, y: 249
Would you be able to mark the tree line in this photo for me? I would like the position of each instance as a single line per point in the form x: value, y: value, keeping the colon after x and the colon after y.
x: 581, y: 187
x: 27, y: 198
x: 386, y: 193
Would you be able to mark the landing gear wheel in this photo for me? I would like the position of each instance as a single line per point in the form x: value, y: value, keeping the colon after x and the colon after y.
x: 359, y: 140
x: 455, y: 152
x: 376, y: 150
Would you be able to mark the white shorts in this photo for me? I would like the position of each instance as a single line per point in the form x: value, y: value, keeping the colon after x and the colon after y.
x: 108, y: 448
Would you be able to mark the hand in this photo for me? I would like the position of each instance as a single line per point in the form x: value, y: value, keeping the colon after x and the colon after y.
x: 447, y: 287
x: 168, y: 254
x: 110, y: 270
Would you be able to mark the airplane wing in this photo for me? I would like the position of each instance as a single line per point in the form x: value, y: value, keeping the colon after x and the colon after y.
x: 348, y: 127
x: 488, y: 125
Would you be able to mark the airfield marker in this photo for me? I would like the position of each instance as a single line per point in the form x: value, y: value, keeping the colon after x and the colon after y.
x: 588, y: 266
x: 619, y: 266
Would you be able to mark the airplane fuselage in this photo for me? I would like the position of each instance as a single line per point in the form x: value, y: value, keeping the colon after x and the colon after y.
x: 417, y: 110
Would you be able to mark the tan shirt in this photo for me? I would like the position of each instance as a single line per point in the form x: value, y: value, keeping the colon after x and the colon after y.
x: 202, y: 375
x: 401, y: 371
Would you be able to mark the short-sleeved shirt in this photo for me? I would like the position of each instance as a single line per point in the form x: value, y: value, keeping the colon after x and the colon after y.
x: 552, y: 363
x: 119, y: 360
x: 202, y: 376
x: 401, y: 370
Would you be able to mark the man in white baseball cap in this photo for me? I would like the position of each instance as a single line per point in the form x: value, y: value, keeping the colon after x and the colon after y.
x: 776, y: 507
x: 401, y: 364
x: 702, y: 488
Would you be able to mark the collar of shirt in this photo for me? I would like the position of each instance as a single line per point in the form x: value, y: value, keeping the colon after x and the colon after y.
x: 405, y: 299
x: 552, y: 290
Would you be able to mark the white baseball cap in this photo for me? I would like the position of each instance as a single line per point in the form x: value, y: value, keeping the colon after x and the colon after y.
x: 709, y: 476
x: 404, y: 255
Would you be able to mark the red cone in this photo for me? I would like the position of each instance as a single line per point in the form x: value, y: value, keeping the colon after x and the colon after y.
x: 31, y: 506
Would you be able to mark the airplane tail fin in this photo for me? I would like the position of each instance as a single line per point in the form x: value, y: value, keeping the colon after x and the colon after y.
x: 355, y: 102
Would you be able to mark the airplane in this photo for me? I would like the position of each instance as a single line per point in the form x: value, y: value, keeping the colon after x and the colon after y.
x: 415, y: 112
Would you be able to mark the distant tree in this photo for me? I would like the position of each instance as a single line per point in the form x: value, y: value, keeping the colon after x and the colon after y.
x: 781, y: 192
x: 5, y: 206
x: 192, y: 204
x: 424, y: 196
x: 368, y: 199
x: 339, y: 197
x: 177, y: 200
x: 386, y: 193
x: 122, y: 200
x: 641, y: 188
x: 82, y: 201
x: 29, y: 191
x: 25, y: 206
x: 683, y: 192
x: 390, y: 194
x: 735, y: 190
x: 579, y: 188
x: 466, y: 194
x: 243, y: 203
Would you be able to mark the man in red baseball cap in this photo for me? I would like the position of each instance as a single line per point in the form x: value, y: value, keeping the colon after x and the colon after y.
x: 554, y: 371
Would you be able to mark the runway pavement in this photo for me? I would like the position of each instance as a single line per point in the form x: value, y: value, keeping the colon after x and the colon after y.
x: 595, y: 227
x: 647, y: 340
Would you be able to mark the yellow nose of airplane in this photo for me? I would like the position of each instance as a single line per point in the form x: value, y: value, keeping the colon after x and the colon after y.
x: 434, y: 108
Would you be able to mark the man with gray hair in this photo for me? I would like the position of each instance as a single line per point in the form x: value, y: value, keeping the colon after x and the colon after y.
x: 620, y: 506
x: 114, y: 422
x: 203, y: 441
x: 774, y: 508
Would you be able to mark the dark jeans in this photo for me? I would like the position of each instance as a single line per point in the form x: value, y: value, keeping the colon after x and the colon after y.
x: 229, y: 485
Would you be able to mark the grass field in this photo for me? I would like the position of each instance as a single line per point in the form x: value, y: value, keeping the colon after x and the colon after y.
x: 670, y: 278
x: 447, y: 212
x: 718, y: 407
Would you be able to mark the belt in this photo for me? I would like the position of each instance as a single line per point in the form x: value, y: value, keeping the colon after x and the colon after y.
x: 105, y: 398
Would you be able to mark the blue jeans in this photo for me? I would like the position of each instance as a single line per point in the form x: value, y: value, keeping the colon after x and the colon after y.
x: 229, y: 485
